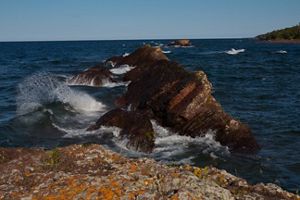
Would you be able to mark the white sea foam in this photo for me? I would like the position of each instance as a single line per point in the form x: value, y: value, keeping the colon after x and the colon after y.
x: 72, y: 133
x: 122, y: 69
x: 110, y: 84
x: 167, y: 52
x: 281, y: 52
x: 109, y: 63
x: 41, y: 89
x: 126, y: 54
x: 169, y: 144
x: 235, y: 51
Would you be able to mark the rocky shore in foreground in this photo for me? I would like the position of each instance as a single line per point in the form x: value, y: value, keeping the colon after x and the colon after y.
x: 93, y: 172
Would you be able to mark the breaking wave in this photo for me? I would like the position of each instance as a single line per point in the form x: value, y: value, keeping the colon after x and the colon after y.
x: 126, y: 54
x: 170, y: 145
x: 41, y: 89
x: 121, y: 69
x: 235, y: 51
x: 281, y: 52
x: 109, y: 84
x: 167, y: 52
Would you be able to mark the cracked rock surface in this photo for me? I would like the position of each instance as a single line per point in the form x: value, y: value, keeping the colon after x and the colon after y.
x: 93, y: 172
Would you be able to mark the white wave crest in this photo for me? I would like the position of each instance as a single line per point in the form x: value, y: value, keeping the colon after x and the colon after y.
x: 125, y: 54
x: 73, y: 133
x: 167, y: 52
x: 110, y: 84
x: 44, y: 88
x: 281, y: 52
x: 235, y: 51
x: 121, y: 70
x: 169, y: 145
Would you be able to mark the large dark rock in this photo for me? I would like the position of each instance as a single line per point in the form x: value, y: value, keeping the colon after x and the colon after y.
x: 94, y: 76
x: 145, y: 55
x: 180, y: 100
x: 135, y: 126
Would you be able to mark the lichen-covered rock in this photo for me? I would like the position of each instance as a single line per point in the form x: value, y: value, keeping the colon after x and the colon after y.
x: 135, y: 126
x: 92, y: 172
x: 94, y: 76
x: 179, y: 99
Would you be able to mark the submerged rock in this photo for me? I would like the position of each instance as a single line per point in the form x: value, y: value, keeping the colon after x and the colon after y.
x: 93, y: 172
x: 179, y: 99
x: 135, y: 126
x: 181, y: 43
x: 94, y: 76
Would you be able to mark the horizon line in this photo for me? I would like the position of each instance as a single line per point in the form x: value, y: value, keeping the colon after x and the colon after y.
x: 91, y: 40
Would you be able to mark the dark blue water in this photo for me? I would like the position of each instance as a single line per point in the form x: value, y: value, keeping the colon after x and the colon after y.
x: 259, y: 86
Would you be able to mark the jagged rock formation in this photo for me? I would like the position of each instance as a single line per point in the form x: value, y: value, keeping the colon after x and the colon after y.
x: 94, y: 76
x: 135, y: 127
x: 178, y: 99
x: 92, y: 172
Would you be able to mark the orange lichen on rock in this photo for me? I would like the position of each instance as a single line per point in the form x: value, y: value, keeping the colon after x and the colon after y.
x: 95, y: 173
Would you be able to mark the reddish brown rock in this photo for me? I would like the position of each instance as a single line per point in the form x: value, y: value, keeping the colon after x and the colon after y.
x: 142, y: 56
x: 94, y: 76
x: 135, y: 126
x: 181, y: 43
x: 180, y: 100
x: 93, y: 172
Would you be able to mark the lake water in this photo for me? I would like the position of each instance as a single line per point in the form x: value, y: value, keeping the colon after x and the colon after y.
x: 259, y: 85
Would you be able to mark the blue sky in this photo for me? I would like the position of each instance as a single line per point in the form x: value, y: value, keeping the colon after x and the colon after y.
x: 23, y: 20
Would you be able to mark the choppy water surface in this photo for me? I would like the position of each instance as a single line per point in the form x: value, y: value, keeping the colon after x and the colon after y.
x: 259, y: 83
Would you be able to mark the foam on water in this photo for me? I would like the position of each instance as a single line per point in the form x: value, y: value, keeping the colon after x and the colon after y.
x: 72, y: 133
x: 235, y: 51
x: 281, y: 52
x: 126, y: 54
x: 169, y: 145
x: 109, y: 84
x: 167, y: 52
x: 41, y: 89
x: 121, y: 70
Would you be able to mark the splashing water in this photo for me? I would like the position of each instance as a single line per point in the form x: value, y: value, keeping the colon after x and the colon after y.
x: 169, y: 145
x: 235, y: 51
x: 41, y: 89
x: 121, y: 70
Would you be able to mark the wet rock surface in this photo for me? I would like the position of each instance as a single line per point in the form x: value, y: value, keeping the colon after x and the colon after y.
x: 179, y: 99
x: 135, y: 127
x: 94, y: 76
x: 93, y: 172
x: 145, y: 55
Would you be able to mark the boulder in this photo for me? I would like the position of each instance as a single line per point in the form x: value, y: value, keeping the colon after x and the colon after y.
x: 180, y: 100
x: 135, y: 126
x: 94, y: 76
x: 181, y: 43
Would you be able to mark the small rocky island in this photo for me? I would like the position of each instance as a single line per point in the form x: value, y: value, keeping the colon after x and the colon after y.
x: 286, y: 35
x: 181, y: 43
x: 160, y: 90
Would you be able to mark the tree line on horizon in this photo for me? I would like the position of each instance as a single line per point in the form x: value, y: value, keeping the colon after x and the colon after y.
x: 291, y: 33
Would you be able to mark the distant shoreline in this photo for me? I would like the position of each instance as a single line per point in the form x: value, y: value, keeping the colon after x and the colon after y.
x: 281, y: 41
